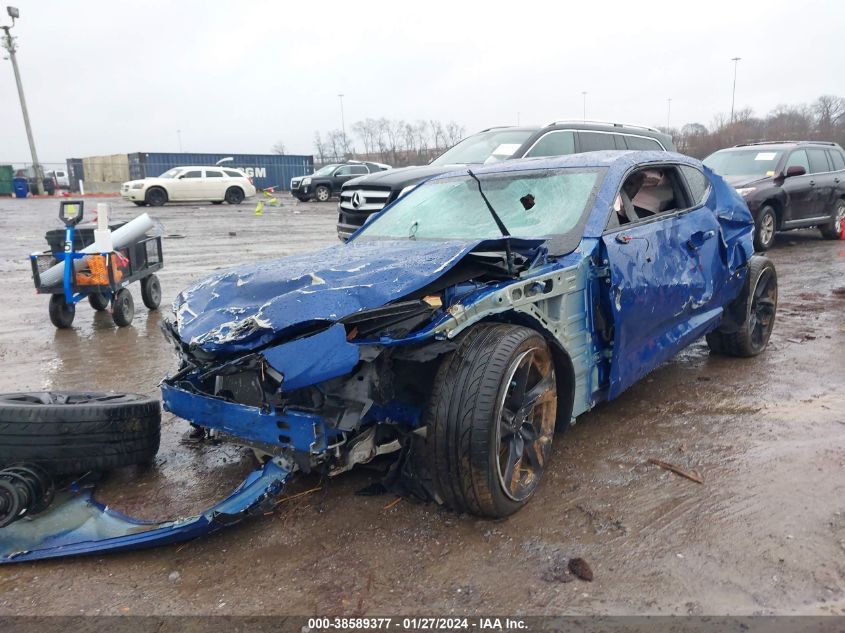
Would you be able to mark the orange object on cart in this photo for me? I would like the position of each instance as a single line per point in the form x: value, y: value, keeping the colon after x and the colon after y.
x: 97, y: 273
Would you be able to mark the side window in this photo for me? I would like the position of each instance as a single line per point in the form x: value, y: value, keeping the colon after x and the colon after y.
x: 358, y: 170
x: 595, y: 141
x: 645, y: 193
x: 818, y: 161
x: 213, y: 174
x: 555, y: 143
x: 836, y: 159
x: 641, y: 143
x: 798, y: 158
x: 619, y: 141
x: 343, y: 171
x: 192, y: 174
x: 233, y: 174
x: 698, y: 184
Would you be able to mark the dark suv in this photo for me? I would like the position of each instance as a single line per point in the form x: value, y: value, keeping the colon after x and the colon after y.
x: 327, y: 181
x: 365, y: 196
x: 787, y: 185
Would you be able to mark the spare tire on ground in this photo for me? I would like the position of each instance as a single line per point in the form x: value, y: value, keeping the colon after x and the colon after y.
x: 70, y: 432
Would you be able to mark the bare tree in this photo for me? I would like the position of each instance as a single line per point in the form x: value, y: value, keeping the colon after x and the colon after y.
x: 453, y: 133
x: 830, y: 112
x: 319, y: 147
x: 279, y: 148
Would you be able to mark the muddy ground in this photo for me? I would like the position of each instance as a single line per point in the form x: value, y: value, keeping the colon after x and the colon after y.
x: 764, y: 533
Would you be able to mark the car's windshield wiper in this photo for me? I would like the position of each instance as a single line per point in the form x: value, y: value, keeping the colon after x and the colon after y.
x: 497, y: 220
x: 495, y: 215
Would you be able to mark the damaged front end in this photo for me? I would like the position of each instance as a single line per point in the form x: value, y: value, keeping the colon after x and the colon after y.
x: 328, y: 394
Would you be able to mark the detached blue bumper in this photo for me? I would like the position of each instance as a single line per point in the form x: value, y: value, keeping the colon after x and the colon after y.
x: 299, y: 430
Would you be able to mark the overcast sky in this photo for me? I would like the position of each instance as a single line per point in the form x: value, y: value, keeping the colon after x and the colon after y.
x: 107, y: 76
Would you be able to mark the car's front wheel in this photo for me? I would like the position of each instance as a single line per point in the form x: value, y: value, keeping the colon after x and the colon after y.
x: 322, y: 193
x: 490, y: 420
x: 765, y: 228
x: 156, y: 197
x: 833, y: 230
x: 757, y: 309
x: 234, y: 195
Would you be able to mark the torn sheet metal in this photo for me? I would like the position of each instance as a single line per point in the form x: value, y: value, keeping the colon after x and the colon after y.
x: 312, y: 359
x: 247, y: 307
x: 77, y: 524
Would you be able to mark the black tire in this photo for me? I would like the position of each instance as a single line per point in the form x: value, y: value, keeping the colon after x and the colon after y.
x: 759, y: 307
x: 139, y: 204
x: 99, y: 301
x: 61, y: 313
x: 322, y: 193
x: 765, y: 228
x: 156, y: 197
x: 474, y: 438
x: 833, y: 230
x: 73, y: 432
x: 302, y: 198
x: 151, y: 292
x: 122, y: 308
x: 216, y: 202
x: 234, y: 195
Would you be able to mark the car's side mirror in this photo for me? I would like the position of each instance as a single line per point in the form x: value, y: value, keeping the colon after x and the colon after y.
x: 794, y: 170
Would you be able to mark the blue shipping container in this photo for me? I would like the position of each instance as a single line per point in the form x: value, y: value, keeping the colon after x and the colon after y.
x: 267, y: 170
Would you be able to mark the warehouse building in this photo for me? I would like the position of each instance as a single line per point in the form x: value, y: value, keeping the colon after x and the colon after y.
x: 107, y: 173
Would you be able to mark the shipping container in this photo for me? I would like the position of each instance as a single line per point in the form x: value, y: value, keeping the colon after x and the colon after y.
x: 7, y: 172
x: 266, y: 170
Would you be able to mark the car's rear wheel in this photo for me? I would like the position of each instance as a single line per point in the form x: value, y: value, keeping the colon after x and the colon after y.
x: 758, y: 306
x: 833, y: 230
x: 322, y: 193
x: 156, y: 197
x: 490, y: 420
x: 234, y: 195
x: 765, y: 228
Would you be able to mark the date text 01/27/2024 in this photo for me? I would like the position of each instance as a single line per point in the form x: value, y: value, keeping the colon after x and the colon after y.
x: 417, y: 624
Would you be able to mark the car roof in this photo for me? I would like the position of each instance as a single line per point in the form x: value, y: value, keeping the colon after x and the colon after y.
x: 605, y: 158
x: 783, y: 145
x: 207, y: 167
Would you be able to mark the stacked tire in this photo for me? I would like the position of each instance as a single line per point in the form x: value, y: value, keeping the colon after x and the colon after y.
x: 70, y: 433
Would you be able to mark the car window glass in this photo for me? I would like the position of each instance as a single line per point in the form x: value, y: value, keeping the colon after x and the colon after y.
x: 213, y: 174
x: 344, y: 171
x: 698, y: 184
x: 798, y: 158
x: 595, y: 141
x: 644, y: 194
x: 818, y: 161
x: 192, y: 174
x: 838, y: 160
x: 640, y: 143
x: 233, y: 174
x: 557, y: 143
x: 358, y: 169
x: 619, y: 141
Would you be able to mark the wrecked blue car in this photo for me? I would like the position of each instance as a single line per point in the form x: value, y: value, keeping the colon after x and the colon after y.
x: 458, y: 329
x: 471, y: 318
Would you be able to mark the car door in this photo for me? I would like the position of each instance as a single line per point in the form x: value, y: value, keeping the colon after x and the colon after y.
x: 799, y: 189
x: 214, y: 184
x: 347, y: 172
x: 823, y: 187
x: 665, y: 277
x: 186, y: 186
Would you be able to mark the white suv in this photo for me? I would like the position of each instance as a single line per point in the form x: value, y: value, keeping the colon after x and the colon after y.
x: 182, y: 184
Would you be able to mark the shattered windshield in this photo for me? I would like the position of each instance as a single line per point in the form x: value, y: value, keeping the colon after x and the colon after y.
x: 531, y: 204
x: 486, y: 147
x: 751, y: 162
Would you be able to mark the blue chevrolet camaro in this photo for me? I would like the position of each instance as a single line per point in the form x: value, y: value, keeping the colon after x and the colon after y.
x: 462, y: 325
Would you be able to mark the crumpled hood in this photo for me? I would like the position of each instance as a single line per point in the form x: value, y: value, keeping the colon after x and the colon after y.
x: 248, y: 306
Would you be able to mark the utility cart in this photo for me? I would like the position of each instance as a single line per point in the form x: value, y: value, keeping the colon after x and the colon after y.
x: 101, y: 277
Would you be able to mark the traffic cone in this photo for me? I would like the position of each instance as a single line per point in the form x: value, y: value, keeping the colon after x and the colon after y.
x: 259, y: 208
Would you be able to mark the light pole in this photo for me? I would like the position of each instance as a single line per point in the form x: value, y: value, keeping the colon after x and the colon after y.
x: 584, y: 96
x: 668, y: 111
x: 9, y: 45
x: 735, y: 60
x: 342, y: 121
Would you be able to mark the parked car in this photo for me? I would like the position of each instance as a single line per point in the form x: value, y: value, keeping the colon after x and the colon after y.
x: 787, y: 185
x: 61, y: 178
x: 471, y: 318
x: 327, y: 181
x: 190, y: 184
x: 365, y: 196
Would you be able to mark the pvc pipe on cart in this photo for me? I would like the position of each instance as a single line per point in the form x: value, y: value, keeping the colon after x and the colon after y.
x: 125, y: 235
